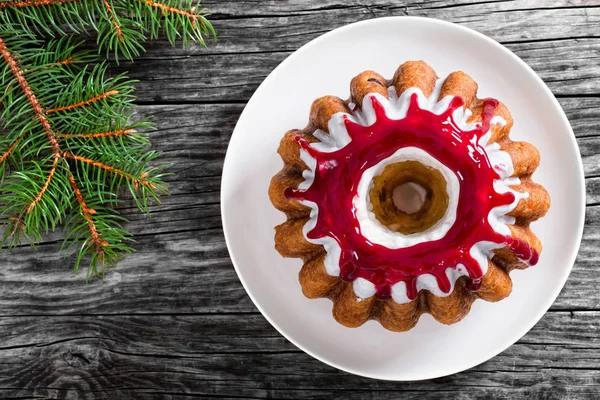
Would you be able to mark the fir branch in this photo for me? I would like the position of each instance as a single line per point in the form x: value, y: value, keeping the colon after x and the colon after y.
x: 62, y: 62
x: 62, y: 52
x: 87, y: 213
x: 103, y: 151
x: 114, y: 20
x: 137, y: 180
x: 46, y: 185
x: 75, y: 178
x: 8, y: 152
x: 35, y: 104
x: 122, y: 25
x: 115, y: 133
x: 168, y: 9
x: 31, y: 3
x: 84, y: 102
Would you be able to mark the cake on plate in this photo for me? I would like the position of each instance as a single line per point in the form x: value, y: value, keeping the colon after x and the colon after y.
x: 408, y: 198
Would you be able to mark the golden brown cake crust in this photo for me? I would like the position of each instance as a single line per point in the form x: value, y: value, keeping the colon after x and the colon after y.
x: 314, y: 279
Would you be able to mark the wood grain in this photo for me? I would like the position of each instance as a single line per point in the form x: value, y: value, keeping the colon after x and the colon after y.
x: 112, y: 356
x: 569, y: 67
x: 173, y: 321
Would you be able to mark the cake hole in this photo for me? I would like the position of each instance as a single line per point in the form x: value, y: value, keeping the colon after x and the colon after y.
x: 409, y: 197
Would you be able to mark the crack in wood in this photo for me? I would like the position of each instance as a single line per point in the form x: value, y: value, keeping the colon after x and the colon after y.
x: 476, y: 3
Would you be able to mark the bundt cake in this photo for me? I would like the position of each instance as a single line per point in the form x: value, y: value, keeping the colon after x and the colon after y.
x: 408, y: 198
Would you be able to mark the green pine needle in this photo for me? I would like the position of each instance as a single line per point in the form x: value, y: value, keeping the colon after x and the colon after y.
x: 121, y: 25
x: 69, y: 143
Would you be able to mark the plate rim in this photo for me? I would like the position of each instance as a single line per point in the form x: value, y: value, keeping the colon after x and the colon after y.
x: 581, y: 177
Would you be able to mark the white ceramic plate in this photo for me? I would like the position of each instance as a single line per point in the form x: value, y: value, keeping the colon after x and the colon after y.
x: 326, y: 66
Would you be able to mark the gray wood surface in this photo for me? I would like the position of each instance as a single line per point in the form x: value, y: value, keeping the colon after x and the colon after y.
x: 173, y: 321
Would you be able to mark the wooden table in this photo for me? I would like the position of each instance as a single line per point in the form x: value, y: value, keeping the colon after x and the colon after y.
x: 173, y: 319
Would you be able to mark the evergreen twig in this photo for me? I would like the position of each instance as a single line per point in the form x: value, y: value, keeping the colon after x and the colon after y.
x: 122, y: 25
x: 69, y: 141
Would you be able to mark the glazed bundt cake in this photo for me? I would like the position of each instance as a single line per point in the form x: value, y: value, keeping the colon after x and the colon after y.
x: 408, y: 198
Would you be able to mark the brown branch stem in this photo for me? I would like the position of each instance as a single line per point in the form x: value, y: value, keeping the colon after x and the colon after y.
x: 35, y: 104
x: 113, y: 17
x: 66, y: 61
x: 32, y: 3
x: 111, y: 169
x: 87, y: 213
x: 9, y: 151
x: 118, y: 132
x: 84, y: 102
x: 166, y: 8
x: 38, y: 110
x: 46, y: 184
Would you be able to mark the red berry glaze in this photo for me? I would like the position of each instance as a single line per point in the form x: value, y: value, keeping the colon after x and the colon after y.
x: 338, y: 173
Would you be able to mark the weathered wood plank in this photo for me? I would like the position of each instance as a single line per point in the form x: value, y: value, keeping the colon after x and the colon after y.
x: 252, y: 8
x: 230, y: 355
x: 184, y: 272
x: 569, y: 67
x: 249, y: 26
x: 583, y: 114
x: 177, y: 336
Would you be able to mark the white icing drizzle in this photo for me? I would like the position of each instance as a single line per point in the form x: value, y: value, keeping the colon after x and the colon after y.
x: 363, y: 289
x: 396, y: 108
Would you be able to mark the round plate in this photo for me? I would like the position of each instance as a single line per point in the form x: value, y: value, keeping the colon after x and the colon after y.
x: 282, y: 102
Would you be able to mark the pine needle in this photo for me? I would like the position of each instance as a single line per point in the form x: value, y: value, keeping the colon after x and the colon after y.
x: 70, y: 146
x: 121, y: 25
